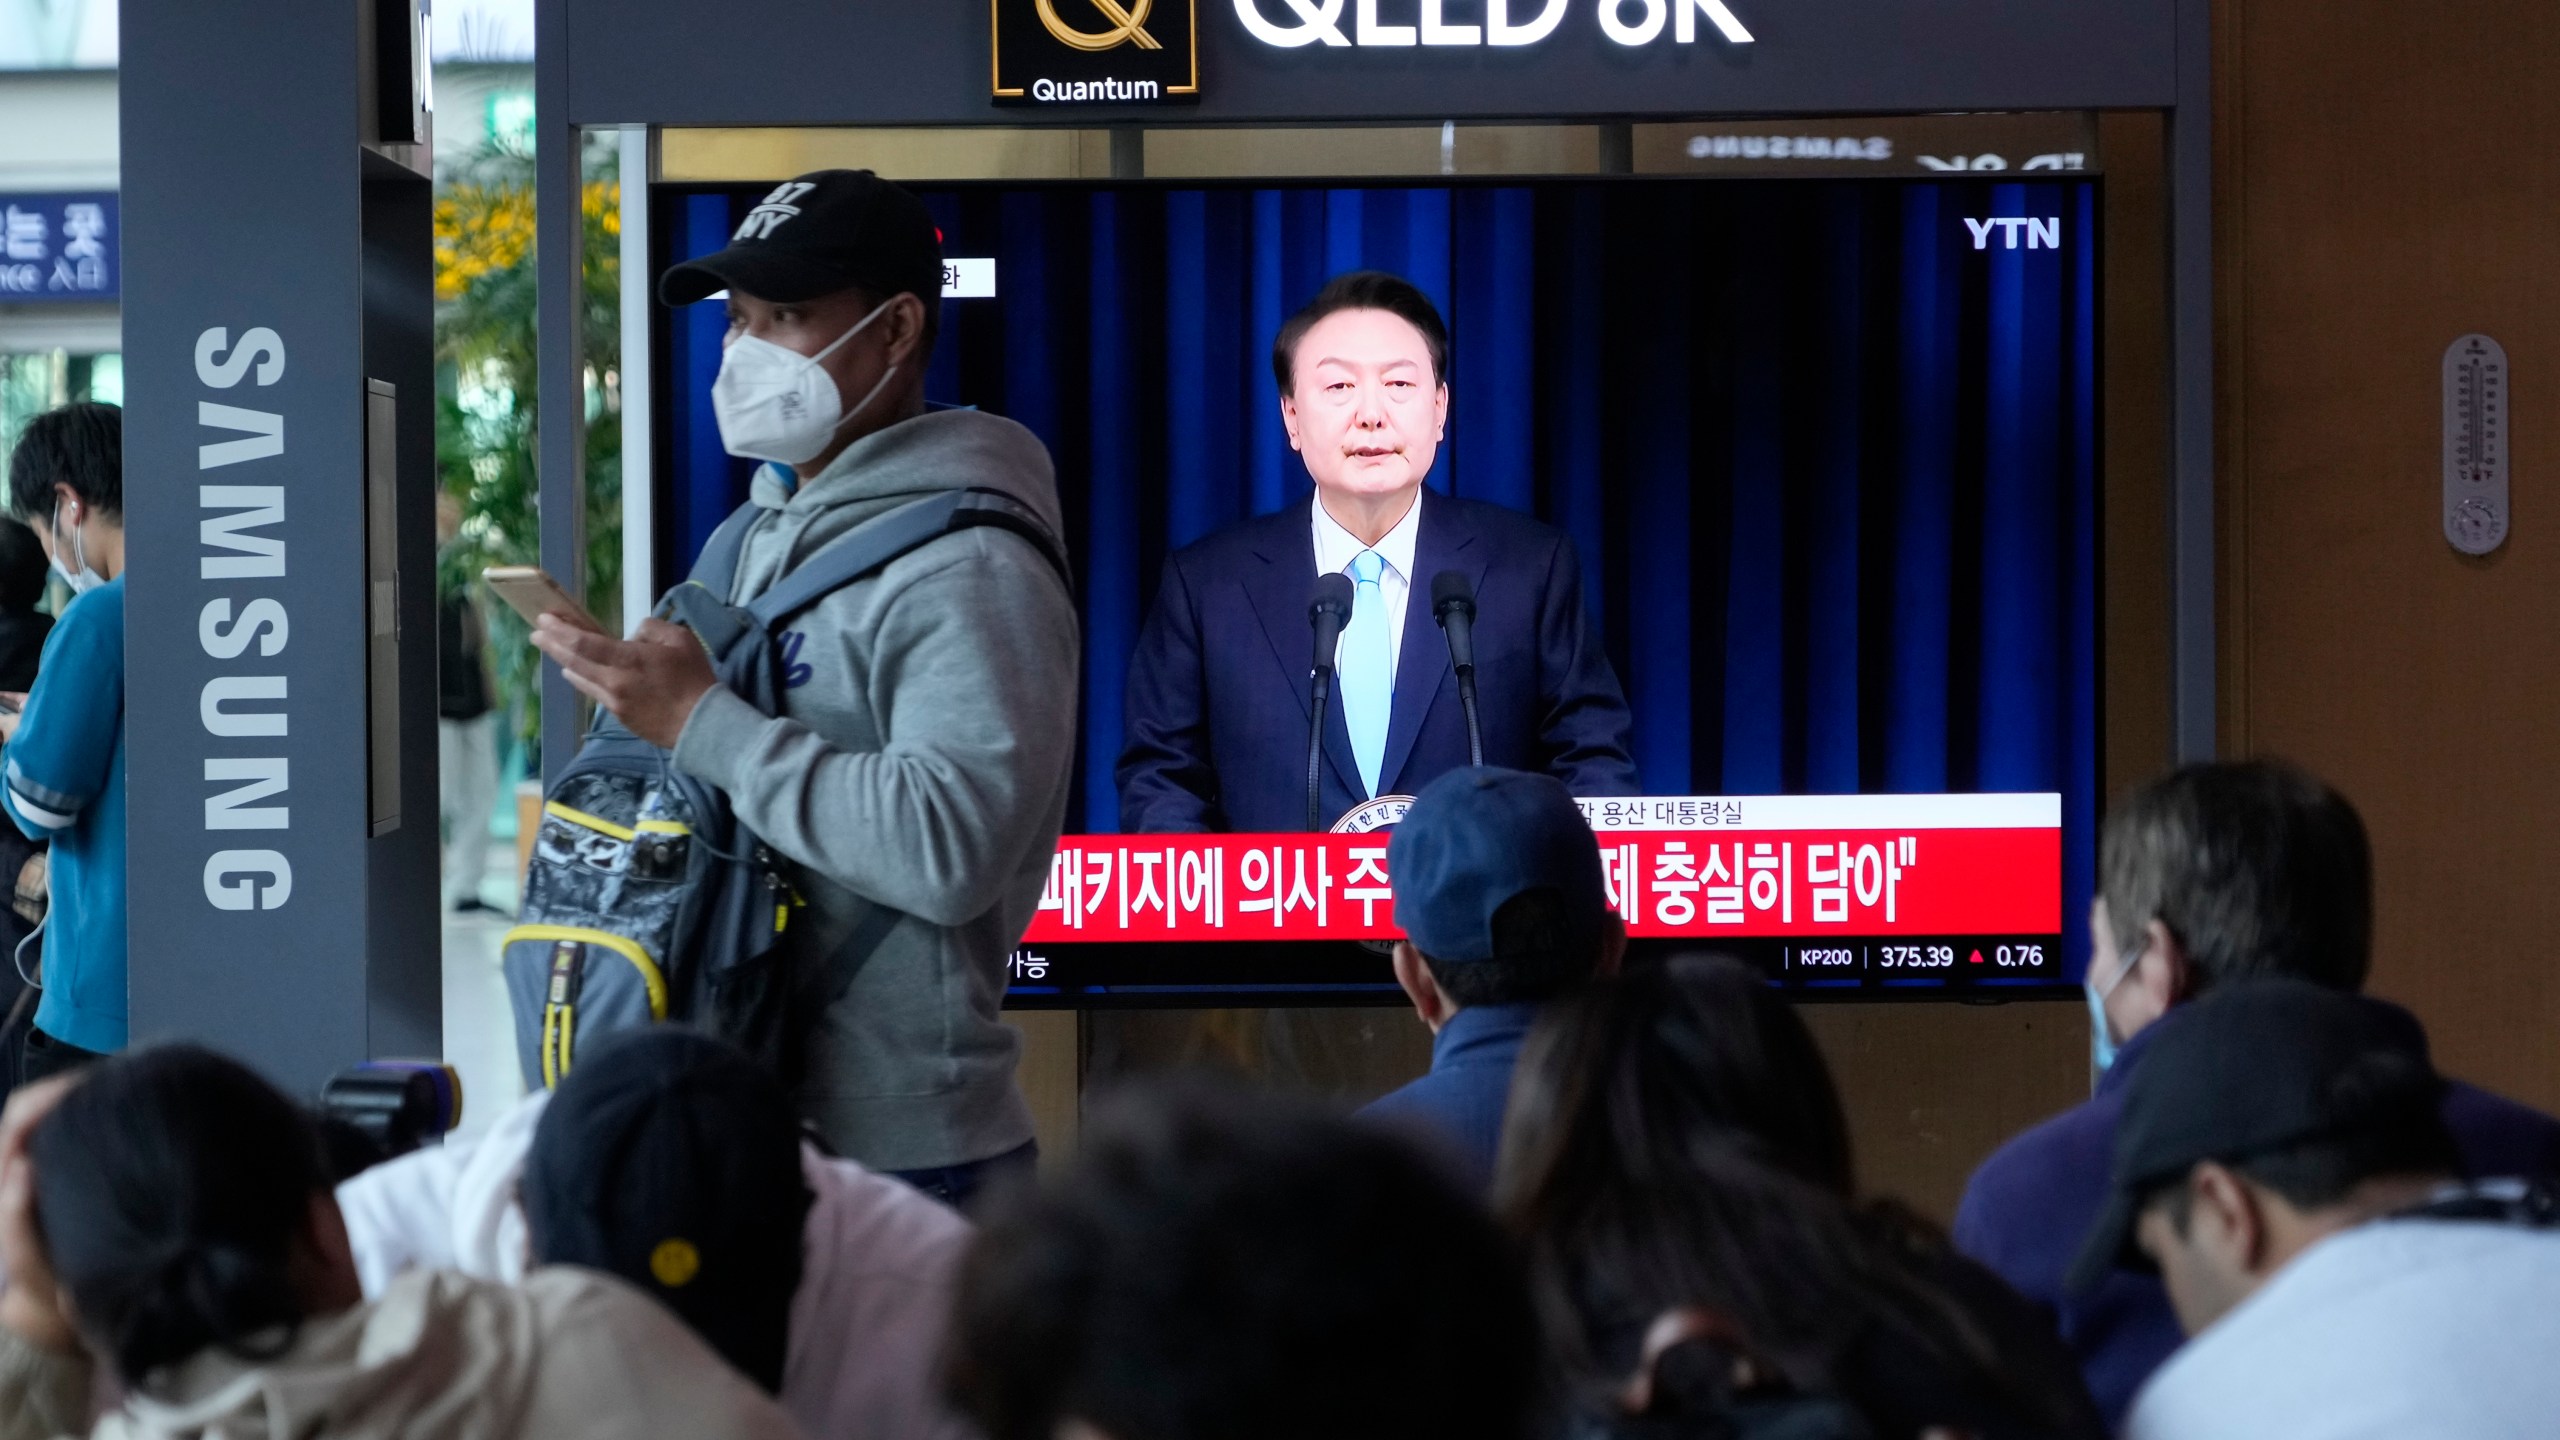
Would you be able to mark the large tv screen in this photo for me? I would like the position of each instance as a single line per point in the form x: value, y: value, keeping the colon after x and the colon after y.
x: 1806, y: 469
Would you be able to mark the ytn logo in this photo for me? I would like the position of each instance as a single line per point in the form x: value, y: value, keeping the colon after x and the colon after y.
x: 2041, y: 234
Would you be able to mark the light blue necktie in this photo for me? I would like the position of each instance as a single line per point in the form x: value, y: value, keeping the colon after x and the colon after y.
x: 1368, y: 675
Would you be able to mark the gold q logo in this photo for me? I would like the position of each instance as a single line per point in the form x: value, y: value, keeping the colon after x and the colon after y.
x: 1129, y: 24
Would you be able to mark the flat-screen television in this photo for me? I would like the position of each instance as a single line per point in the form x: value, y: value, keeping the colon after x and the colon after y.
x: 1823, y: 458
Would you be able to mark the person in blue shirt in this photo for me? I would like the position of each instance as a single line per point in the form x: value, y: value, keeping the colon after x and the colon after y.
x: 1498, y: 891
x: 63, y: 764
x: 2213, y: 874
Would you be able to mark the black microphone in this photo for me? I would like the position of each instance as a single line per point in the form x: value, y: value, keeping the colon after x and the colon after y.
x: 1327, y: 613
x: 1453, y: 604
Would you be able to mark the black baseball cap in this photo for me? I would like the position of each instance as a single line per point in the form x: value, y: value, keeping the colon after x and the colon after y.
x: 671, y: 1160
x: 2250, y: 1069
x: 816, y: 234
x: 1476, y: 839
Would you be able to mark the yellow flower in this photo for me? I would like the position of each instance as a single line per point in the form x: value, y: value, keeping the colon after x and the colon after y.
x: 480, y: 229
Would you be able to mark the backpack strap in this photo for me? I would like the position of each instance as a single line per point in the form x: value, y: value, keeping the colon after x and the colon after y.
x: 716, y: 568
x: 875, y: 543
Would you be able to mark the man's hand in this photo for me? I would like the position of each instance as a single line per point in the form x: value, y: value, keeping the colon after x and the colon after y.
x: 651, y: 682
x: 32, y: 1306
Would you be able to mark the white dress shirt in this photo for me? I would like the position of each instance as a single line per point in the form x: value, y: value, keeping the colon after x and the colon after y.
x: 1337, y: 547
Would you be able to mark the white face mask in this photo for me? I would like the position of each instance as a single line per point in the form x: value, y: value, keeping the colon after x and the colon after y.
x: 77, y: 574
x: 780, y: 405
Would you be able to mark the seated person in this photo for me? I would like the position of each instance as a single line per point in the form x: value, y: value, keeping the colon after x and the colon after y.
x: 1498, y: 887
x: 672, y: 1161
x: 1677, y: 1163
x: 164, y: 1213
x: 2284, y: 1161
x: 2215, y: 873
x: 1216, y: 1264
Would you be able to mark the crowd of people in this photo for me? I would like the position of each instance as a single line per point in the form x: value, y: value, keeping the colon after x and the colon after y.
x: 1624, y: 1203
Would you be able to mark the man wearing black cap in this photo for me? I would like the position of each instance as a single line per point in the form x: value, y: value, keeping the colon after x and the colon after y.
x: 2208, y: 876
x: 2285, y: 1164
x: 918, y: 774
x: 672, y: 1161
x: 1498, y: 890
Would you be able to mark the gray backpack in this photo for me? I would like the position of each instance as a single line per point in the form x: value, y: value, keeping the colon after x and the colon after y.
x: 647, y: 899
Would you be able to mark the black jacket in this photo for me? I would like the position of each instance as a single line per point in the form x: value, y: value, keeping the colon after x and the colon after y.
x: 22, y: 638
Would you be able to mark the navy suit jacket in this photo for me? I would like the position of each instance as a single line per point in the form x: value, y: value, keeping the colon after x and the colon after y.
x: 1219, y: 693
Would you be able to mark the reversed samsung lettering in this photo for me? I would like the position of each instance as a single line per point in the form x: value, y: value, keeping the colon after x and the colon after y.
x: 230, y: 809
x: 265, y: 429
x: 262, y: 556
x: 261, y: 620
x: 248, y: 880
x: 223, y: 690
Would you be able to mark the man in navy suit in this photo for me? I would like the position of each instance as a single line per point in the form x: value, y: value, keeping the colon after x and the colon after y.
x: 1219, y: 694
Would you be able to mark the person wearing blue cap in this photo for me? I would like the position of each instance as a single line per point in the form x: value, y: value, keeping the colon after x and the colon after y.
x: 1499, y: 894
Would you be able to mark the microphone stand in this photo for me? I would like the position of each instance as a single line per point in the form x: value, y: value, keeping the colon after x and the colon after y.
x: 1326, y: 613
x: 1322, y: 682
x: 1453, y: 604
x: 1467, y: 703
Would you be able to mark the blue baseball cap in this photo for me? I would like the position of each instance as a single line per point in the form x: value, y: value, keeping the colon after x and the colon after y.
x: 1477, y: 838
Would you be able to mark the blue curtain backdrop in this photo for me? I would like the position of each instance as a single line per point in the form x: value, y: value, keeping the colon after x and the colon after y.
x: 1832, y: 469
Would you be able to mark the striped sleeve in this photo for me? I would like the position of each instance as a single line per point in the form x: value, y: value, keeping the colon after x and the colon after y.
x: 44, y: 808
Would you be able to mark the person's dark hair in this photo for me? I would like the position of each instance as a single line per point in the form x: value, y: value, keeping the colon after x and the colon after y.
x: 1647, y: 1171
x: 1691, y: 1045
x: 1217, y: 1266
x: 2256, y: 867
x: 174, y: 1187
x: 1535, y: 955
x: 1362, y: 290
x: 80, y: 445
x: 23, y: 568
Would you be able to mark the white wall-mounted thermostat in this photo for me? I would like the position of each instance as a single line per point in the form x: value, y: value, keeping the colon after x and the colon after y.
x: 2475, y: 445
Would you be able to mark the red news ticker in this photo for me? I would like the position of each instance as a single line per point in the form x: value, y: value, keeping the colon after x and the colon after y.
x: 1757, y: 866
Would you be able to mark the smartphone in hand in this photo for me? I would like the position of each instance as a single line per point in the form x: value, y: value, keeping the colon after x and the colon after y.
x: 533, y: 594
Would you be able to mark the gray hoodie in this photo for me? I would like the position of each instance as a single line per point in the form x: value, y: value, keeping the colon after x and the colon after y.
x: 922, y: 762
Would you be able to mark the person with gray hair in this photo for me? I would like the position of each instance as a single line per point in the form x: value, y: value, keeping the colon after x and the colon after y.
x: 2211, y: 875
